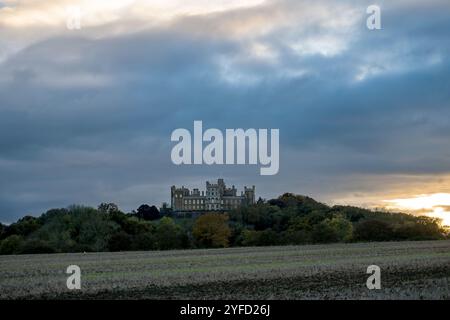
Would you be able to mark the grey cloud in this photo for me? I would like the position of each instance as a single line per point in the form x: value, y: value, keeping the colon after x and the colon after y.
x: 89, y: 120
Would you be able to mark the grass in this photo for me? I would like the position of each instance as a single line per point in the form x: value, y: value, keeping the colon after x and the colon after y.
x: 409, y: 270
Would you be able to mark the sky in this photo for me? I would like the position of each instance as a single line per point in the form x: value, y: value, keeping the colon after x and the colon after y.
x: 86, y: 114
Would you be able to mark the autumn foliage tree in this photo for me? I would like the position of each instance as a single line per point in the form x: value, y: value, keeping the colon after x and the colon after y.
x: 211, y: 230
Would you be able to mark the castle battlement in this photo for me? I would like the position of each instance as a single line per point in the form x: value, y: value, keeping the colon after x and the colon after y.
x: 217, y: 197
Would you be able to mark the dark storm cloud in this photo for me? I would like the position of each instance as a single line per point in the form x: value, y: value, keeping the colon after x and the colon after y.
x: 87, y: 120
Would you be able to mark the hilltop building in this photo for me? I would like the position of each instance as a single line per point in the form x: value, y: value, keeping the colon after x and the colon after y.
x: 216, y: 198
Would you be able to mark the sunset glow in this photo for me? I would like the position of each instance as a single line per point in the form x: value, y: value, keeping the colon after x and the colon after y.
x: 433, y: 205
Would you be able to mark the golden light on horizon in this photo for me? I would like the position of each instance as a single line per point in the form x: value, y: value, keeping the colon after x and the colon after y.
x: 433, y: 205
x: 29, y: 13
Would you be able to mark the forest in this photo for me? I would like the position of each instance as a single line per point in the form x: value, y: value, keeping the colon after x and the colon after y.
x: 287, y: 220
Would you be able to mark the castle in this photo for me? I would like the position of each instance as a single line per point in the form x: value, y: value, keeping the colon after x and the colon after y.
x: 217, y: 198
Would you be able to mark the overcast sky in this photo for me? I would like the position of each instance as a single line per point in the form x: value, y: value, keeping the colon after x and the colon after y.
x: 86, y: 115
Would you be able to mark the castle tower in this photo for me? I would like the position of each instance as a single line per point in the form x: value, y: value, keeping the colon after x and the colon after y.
x: 249, y: 194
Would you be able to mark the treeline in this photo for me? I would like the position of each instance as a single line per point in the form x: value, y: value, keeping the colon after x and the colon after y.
x: 289, y: 219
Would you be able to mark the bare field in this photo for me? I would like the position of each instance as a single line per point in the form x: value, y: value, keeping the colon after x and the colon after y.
x: 409, y: 270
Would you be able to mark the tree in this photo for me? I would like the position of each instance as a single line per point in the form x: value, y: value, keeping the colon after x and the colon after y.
x: 60, y: 230
x: 250, y: 237
x: 119, y: 241
x: 168, y: 234
x: 144, y: 241
x: 260, y: 238
x: 296, y: 237
x: 423, y: 228
x: 11, y: 245
x: 2, y: 229
x: 33, y: 246
x: 372, y: 230
x: 235, y: 239
x: 342, y: 227
x: 212, y: 230
x: 323, y: 232
x: 262, y: 216
x: 134, y: 226
x: 22, y: 227
x: 108, y: 208
x: 303, y: 204
x: 148, y: 213
x: 299, y: 231
x: 94, y: 233
x: 335, y: 229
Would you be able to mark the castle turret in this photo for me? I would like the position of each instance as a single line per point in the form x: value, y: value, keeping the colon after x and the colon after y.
x: 249, y: 194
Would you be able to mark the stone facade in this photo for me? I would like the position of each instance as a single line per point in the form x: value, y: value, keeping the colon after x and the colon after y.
x: 216, y: 198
